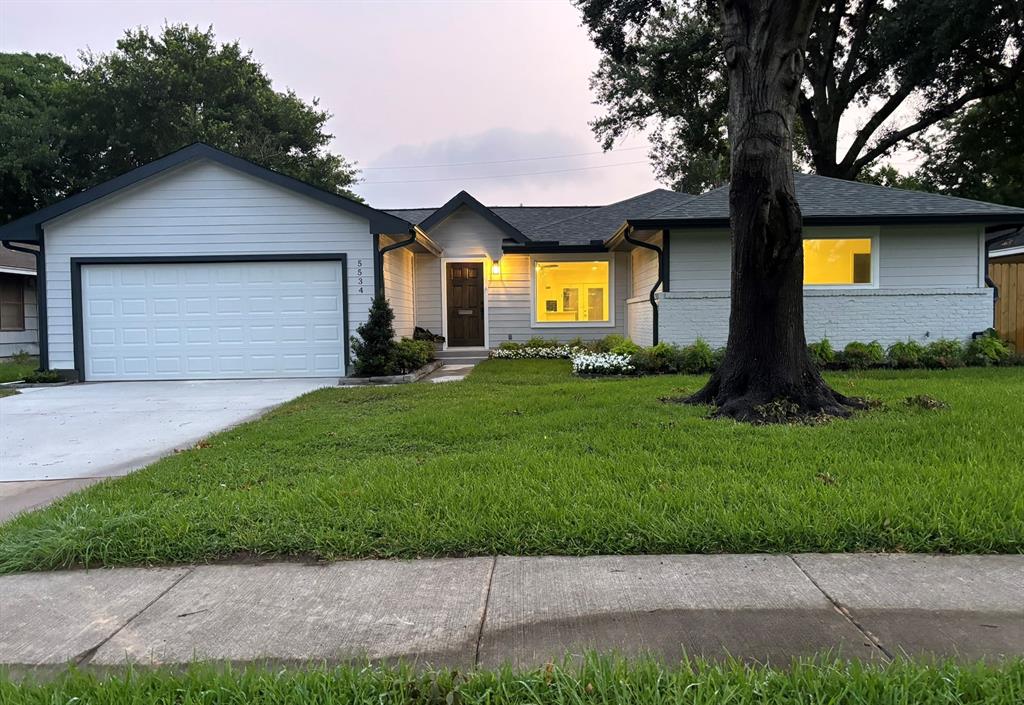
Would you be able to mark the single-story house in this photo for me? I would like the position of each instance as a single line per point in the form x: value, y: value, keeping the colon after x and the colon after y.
x: 19, y: 323
x: 203, y: 265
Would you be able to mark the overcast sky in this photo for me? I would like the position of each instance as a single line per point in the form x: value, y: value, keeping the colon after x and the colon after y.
x: 410, y: 84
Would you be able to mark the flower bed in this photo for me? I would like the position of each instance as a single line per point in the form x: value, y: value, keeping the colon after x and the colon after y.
x: 590, y: 363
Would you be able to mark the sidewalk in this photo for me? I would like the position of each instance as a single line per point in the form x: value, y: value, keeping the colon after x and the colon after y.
x: 465, y: 612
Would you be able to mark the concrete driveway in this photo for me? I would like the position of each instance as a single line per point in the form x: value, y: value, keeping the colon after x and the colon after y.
x: 82, y: 432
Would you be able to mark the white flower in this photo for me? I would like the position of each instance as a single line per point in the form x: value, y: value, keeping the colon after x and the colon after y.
x: 601, y: 363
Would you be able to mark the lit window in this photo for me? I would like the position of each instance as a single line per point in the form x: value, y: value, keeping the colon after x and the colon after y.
x: 837, y: 261
x: 571, y: 292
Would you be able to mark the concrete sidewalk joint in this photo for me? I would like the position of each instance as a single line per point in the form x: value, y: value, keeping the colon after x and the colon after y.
x: 845, y: 612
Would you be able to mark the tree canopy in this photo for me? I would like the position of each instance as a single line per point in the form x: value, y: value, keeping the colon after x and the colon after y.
x: 904, y: 66
x: 74, y: 127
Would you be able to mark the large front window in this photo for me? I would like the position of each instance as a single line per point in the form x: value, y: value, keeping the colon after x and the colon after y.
x: 838, y: 262
x: 572, y: 292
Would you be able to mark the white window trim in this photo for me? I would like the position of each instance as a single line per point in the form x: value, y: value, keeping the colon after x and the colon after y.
x: 573, y: 257
x: 444, y: 301
x: 848, y: 233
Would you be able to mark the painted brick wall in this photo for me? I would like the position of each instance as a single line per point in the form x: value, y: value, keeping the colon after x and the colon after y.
x: 885, y: 315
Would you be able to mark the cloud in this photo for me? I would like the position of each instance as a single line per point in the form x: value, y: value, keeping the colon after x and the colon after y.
x: 505, y: 166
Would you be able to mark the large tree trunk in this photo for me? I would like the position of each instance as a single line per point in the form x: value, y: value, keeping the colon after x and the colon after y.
x: 766, y: 359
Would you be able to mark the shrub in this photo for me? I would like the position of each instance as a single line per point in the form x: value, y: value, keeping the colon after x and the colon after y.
x: 509, y: 345
x: 627, y: 347
x: 659, y: 359
x: 718, y: 357
x: 602, y: 364
x: 375, y: 345
x: 905, y: 355
x: 539, y: 342
x: 986, y: 350
x: 698, y: 358
x: 410, y: 355
x: 822, y: 354
x: 607, y: 343
x: 860, y: 356
x: 944, y: 354
x: 22, y: 357
x: 43, y: 377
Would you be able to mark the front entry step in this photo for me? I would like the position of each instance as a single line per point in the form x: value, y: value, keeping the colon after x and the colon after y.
x: 454, y: 357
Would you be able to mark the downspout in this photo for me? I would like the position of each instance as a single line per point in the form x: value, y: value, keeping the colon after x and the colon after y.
x: 627, y: 235
x: 378, y: 260
x: 41, y: 321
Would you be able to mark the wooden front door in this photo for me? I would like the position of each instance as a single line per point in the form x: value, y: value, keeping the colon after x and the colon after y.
x: 465, y: 304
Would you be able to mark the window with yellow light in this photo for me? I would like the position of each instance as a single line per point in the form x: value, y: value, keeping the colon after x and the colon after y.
x: 572, y: 292
x: 838, y: 261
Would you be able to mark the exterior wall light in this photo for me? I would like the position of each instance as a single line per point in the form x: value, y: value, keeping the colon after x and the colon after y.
x: 496, y: 268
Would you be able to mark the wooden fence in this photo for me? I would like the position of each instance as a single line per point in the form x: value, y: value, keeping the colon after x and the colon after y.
x: 1009, y: 277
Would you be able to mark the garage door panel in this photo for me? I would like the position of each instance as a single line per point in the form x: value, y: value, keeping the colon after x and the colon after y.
x: 212, y: 320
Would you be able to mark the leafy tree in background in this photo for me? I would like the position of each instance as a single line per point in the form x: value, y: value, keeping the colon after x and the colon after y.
x: 908, y: 63
x: 980, y: 154
x: 151, y: 96
x: 33, y: 169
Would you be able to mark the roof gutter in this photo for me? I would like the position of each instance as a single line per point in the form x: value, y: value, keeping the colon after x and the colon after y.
x: 627, y: 235
x: 378, y: 258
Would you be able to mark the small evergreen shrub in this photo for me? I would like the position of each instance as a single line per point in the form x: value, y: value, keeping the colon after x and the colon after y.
x: 822, y: 354
x: 987, y: 350
x: 374, y: 347
x: 860, y: 356
x: 944, y: 354
x: 411, y: 354
x: 906, y: 355
x: 698, y: 358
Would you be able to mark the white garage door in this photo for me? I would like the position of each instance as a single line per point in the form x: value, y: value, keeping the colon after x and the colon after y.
x: 212, y: 320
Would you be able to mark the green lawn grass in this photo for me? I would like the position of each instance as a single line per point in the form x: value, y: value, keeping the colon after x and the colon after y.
x: 523, y: 458
x: 596, y: 680
x: 14, y: 370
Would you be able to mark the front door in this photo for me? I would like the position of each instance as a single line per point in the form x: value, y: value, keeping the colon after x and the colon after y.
x: 465, y: 304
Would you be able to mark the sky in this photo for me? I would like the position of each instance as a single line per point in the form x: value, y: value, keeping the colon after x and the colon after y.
x: 490, y: 96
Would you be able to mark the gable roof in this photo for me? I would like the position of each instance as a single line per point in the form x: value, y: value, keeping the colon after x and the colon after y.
x: 828, y: 201
x: 24, y: 229
x: 464, y: 200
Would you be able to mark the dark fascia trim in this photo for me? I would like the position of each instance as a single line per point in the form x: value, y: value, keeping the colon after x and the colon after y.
x: 24, y: 229
x: 1001, y: 219
x: 77, y: 325
x: 544, y: 248
x: 43, y: 332
x: 462, y: 198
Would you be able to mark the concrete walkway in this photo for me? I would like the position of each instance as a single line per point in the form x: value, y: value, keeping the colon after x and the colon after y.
x: 521, y: 611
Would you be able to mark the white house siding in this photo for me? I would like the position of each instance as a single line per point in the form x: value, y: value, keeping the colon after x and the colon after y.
x: 13, y: 342
x: 930, y: 286
x: 400, y: 289
x: 200, y: 209
x: 643, y: 276
x: 428, y: 292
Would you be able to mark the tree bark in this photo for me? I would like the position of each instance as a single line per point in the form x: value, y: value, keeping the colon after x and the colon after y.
x: 766, y: 358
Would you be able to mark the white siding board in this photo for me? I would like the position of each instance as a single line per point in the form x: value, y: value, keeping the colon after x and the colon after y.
x: 428, y: 293
x: 125, y: 225
x: 400, y: 289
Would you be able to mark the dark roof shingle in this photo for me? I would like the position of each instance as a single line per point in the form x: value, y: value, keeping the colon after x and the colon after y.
x: 827, y: 199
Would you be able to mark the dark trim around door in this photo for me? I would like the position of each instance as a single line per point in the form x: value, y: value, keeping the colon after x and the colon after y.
x: 77, y: 325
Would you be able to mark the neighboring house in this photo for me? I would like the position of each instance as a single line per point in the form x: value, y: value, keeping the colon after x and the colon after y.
x: 19, y: 324
x: 203, y: 265
x: 1006, y: 273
